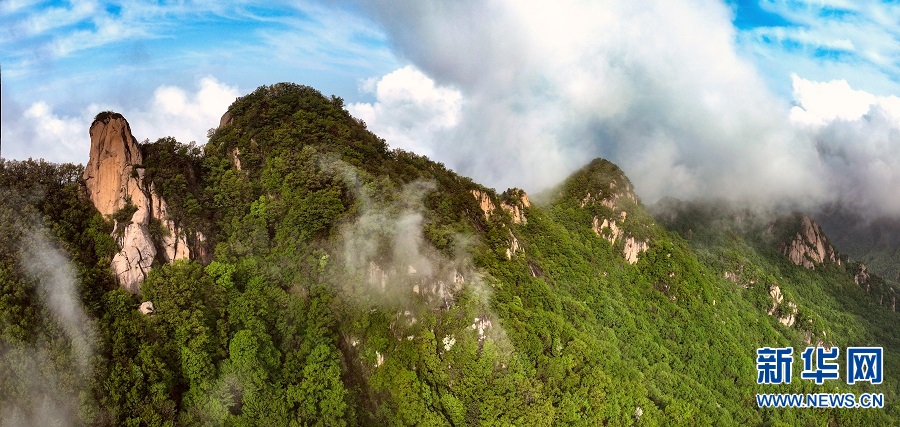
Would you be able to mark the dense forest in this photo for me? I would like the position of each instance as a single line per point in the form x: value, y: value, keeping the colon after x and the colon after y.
x: 347, y: 283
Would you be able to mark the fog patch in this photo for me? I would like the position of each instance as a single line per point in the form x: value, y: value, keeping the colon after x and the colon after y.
x: 385, y: 251
x: 385, y: 262
x: 51, y: 377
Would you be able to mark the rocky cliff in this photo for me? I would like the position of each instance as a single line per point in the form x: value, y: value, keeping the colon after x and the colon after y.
x: 515, y: 201
x: 613, y: 228
x: 808, y: 246
x: 115, y: 183
x: 485, y: 202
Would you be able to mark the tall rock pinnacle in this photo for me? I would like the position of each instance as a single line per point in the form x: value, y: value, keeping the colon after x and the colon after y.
x: 114, y: 152
x: 115, y: 183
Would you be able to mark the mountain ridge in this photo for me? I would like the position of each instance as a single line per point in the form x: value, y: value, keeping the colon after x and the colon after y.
x: 351, y: 284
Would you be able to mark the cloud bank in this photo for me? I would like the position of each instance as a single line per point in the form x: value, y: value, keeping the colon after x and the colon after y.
x: 660, y: 88
x: 857, y: 137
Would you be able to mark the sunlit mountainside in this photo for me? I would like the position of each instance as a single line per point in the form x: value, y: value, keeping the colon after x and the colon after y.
x: 296, y: 270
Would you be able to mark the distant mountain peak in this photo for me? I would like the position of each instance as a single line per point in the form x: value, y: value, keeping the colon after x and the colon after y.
x: 807, y: 245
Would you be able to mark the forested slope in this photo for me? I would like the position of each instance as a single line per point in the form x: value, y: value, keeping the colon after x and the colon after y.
x: 345, y: 283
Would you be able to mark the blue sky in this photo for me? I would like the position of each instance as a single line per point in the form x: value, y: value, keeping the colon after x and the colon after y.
x: 857, y: 41
x: 511, y: 93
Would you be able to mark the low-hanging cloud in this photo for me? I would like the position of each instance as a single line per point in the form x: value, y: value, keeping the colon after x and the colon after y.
x: 385, y: 255
x: 57, y: 287
x: 385, y: 261
x: 658, y: 87
x: 49, y: 390
x: 857, y: 137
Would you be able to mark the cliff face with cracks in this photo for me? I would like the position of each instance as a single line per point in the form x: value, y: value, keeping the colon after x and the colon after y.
x: 809, y: 247
x: 115, y: 184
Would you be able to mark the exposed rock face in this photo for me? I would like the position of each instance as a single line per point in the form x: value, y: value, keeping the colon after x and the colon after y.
x: 788, y: 315
x: 435, y: 287
x: 236, y: 158
x: 226, y: 119
x: 734, y: 277
x: 809, y: 247
x: 114, y: 180
x: 633, y: 248
x: 448, y: 341
x: 610, y: 229
x: 133, y: 261
x: 482, y: 325
x: 515, y: 204
x: 485, y: 202
x: 862, y: 276
x: 514, y: 246
x: 612, y: 200
x: 614, y: 231
x: 114, y: 153
x: 175, y: 241
x: 147, y: 308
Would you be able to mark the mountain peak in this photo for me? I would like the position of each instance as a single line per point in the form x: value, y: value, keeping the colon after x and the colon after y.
x: 807, y: 245
x: 599, y: 181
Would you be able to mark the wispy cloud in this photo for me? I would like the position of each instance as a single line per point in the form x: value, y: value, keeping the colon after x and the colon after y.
x: 326, y: 38
x: 293, y: 31
x: 858, y: 40
x: 48, y: 378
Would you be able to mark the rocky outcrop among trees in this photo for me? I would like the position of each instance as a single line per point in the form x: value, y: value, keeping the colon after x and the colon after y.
x: 809, y: 247
x: 114, y: 179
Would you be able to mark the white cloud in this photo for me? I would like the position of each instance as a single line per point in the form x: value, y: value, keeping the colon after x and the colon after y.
x: 656, y: 87
x: 56, y: 17
x: 184, y: 115
x: 410, y: 110
x: 39, y: 132
x: 857, y: 135
x: 823, y: 102
x: 14, y: 6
